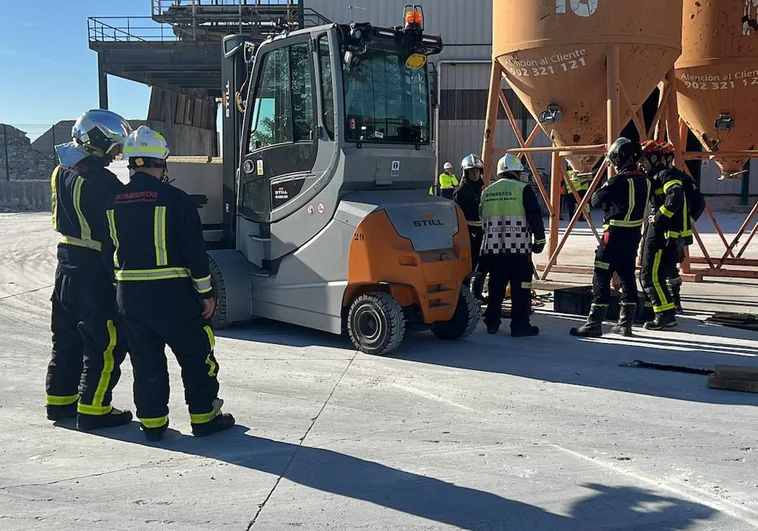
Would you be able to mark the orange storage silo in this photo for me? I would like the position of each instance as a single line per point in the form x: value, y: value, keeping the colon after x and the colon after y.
x: 717, y: 76
x: 554, y: 53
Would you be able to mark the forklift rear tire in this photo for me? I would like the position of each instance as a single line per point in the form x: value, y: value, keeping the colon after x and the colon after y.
x: 464, y: 321
x: 376, y: 323
x: 219, y: 320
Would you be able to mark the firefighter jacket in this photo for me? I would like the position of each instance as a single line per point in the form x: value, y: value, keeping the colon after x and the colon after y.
x: 468, y: 197
x: 156, y: 235
x: 669, y: 206
x: 624, y: 199
x: 79, y: 198
x: 510, y: 216
x: 448, y: 182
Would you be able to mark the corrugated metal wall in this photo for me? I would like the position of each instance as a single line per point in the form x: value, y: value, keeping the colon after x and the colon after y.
x: 466, y: 29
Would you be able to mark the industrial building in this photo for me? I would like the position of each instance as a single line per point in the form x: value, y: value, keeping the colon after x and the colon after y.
x: 176, y: 50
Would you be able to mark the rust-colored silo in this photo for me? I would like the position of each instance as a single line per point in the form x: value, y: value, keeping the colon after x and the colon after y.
x: 717, y: 76
x: 554, y: 53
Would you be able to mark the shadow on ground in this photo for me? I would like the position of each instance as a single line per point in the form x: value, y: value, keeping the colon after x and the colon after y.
x: 556, y: 357
x: 605, y: 507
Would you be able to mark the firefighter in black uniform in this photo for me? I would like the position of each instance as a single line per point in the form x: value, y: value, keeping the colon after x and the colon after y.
x: 668, y: 231
x: 623, y: 198
x: 87, y: 347
x: 511, y: 217
x: 468, y: 197
x: 164, y: 290
x: 695, y: 208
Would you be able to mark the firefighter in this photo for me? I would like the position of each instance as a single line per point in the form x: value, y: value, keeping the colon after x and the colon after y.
x: 511, y: 215
x: 164, y: 290
x: 695, y: 207
x: 668, y: 230
x: 447, y: 182
x: 87, y: 345
x: 468, y: 197
x: 623, y: 198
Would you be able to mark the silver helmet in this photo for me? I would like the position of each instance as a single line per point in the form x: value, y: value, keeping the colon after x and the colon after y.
x: 472, y: 161
x: 96, y: 133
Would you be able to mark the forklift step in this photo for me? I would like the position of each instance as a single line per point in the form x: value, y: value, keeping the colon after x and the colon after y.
x: 262, y: 239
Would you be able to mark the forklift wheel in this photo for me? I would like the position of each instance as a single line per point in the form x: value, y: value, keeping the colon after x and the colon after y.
x: 219, y: 319
x: 376, y: 323
x: 464, y: 321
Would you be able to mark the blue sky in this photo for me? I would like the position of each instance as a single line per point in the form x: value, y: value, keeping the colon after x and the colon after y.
x: 47, y: 71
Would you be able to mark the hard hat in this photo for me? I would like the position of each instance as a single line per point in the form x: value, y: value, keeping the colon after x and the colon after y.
x: 650, y: 146
x: 624, y: 154
x: 472, y: 161
x: 448, y: 166
x: 509, y: 164
x: 96, y: 133
x: 146, y: 148
x: 667, y: 148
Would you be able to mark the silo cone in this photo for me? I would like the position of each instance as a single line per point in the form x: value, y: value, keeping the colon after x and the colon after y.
x: 554, y: 52
x: 717, y: 76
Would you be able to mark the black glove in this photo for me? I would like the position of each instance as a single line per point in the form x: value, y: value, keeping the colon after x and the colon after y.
x: 537, y: 248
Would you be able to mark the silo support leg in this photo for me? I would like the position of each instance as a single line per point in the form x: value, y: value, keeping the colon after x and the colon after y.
x: 490, y: 127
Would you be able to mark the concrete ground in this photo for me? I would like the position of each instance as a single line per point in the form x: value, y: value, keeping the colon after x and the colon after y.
x: 547, y: 433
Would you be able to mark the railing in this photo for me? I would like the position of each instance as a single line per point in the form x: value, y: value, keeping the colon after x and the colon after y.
x: 128, y: 29
x: 311, y: 17
x: 159, y: 7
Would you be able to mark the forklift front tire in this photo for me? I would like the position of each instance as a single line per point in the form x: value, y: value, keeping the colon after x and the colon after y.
x: 219, y: 320
x: 376, y: 323
x: 464, y: 321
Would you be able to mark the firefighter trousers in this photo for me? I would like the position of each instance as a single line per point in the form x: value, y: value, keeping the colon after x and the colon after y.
x: 617, y: 253
x: 87, y: 346
x: 193, y: 342
x: 517, y: 270
x: 658, y: 263
x: 476, y: 235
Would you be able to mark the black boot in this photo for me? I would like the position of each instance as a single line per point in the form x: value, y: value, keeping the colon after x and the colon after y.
x: 97, y: 422
x: 61, y: 412
x: 676, y: 294
x: 627, y: 312
x: 221, y: 422
x: 594, y: 325
x: 154, y: 434
x: 662, y: 321
x: 524, y: 330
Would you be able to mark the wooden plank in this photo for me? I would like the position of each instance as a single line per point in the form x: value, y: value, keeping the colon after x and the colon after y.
x: 737, y: 372
x: 746, y: 386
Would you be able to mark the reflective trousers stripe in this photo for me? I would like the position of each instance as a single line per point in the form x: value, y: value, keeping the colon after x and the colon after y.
x: 53, y: 400
x: 474, y: 223
x: 602, y: 265
x: 78, y: 242
x: 157, y: 422
x: 159, y: 235
x: 665, y: 303
x: 526, y: 285
x: 625, y: 223
x: 129, y: 275
x: 111, y: 215
x: 97, y: 408
x: 212, y: 367
x: 84, y: 228
x: 204, y: 418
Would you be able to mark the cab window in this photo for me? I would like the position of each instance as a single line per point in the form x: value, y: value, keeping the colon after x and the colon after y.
x: 327, y: 91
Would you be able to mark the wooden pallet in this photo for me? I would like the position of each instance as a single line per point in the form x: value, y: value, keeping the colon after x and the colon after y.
x: 734, y: 378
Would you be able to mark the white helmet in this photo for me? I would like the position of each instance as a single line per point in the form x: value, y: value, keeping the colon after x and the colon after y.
x: 448, y: 166
x: 97, y: 133
x: 509, y: 164
x: 146, y: 148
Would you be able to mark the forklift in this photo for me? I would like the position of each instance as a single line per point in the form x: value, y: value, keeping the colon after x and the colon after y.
x: 322, y: 214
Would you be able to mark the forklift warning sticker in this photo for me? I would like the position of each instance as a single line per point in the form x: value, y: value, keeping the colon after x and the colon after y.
x: 395, y: 168
x: 311, y: 210
x: 260, y: 167
x: 321, y: 208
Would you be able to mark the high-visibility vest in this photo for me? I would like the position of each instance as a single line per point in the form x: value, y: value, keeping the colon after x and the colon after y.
x: 506, y: 229
x: 448, y: 181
